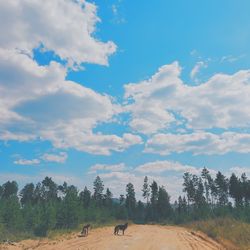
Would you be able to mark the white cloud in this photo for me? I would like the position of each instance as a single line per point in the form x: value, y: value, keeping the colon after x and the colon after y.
x: 149, y: 113
x: 37, y: 102
x: 117, y: 182
x: 65, y: 27
x: 165, y: 102
x: 20, y: 178
x: 60, y: 178
x: 105, y: 167
x: 89, y: 142
x: 157, y: 170
x: 231, y: 58
x: 27, y: 162
x: 240, y: 170
x: 23, y: 179
x: 199, y: 143
x: 196, y: 69
x: 164, y: 166
x: 58, y: 158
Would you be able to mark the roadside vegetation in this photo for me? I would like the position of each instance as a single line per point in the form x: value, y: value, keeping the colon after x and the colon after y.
x: 231, y: 233
x: 219, y: 207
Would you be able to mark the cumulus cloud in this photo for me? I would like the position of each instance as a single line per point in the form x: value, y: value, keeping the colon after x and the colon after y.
x: 165, y: 102
x: 58, y: 158
x: 159, y: 171
x: 164, y: 166
x: 240, y: 170
x: 148, y: 108
x: 117, y: 182
x: 36, y: 102
x: 199, y: 143
x: 27, y: 162
x: 65, y: 27
x: 105, y: 167
x: 23, y: 179
x: 99, y: 143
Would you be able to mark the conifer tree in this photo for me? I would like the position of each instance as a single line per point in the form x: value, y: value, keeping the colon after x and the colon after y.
x: 98, y: 191
x: 130, y: 201
x: 108, y: 198
x: 222, y: 189
x: 146, y: 189
x: 85, y: 197
x: 163, y: 204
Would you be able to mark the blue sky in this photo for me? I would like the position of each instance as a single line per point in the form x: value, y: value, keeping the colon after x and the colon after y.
x: 123, y: 89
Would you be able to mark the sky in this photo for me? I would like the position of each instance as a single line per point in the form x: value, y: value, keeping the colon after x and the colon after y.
x: 123, y: 89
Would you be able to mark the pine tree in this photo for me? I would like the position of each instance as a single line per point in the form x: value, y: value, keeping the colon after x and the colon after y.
x: 98, y: 191
x: 49, y: 189
x: 27, y: 194
x: 1, y: 192
x: 85, y: 197
x: 146, y: 189
x: 222, y: 189
x: 189, y: 187
x: 163, y: 204
x: 153, y: 200
x: 108, y: 198
x: 9, y: 189
x: 179, y: 205
x: 62, y: 190
x: 140, y: 212
x: 130, y: 201
x: 184, y: 205
x: 245, y: 187
x: 121, y: 199
x: 199, y: 194
x: 68, y: 216
x: 207, y: 180
x: 235, y: 190
x: 154, y: 193
x: 11, y: 210
x: 38, y: 194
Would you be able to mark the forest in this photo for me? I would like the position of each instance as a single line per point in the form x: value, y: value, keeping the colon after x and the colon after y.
x: 39, y: 208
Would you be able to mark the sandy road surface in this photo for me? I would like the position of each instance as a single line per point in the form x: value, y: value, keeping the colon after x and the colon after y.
x: 137, y: 237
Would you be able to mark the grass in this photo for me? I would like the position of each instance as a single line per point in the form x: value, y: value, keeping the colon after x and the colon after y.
x: 6, y: 235
x: 231, y: 233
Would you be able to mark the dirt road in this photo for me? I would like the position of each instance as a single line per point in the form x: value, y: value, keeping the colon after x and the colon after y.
x: 137, y: 237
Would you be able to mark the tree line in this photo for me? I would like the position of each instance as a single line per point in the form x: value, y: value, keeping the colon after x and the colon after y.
x: 36, y: 209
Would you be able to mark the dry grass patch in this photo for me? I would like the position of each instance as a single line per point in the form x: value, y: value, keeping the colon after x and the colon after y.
x: 229, y: 232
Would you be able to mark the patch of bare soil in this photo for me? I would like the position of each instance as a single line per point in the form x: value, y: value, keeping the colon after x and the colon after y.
x: 136, y: 237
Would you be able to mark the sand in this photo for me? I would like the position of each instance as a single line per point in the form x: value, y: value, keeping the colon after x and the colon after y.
x: 137, y: 237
